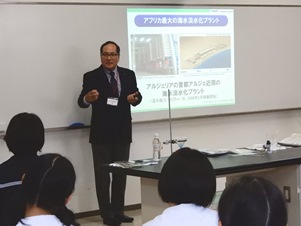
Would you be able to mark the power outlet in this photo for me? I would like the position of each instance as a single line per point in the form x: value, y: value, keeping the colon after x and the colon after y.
x: 287, y: 193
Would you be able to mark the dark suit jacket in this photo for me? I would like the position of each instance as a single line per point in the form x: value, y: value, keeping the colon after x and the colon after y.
x: 12, y: 201
x: 110, y: 124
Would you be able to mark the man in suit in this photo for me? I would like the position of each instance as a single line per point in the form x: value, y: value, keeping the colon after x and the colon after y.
x: 111, y: 90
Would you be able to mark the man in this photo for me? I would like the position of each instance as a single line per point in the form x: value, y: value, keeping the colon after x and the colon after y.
x: 111, y: 90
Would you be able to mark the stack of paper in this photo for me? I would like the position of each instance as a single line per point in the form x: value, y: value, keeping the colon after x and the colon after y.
x: 294, y: 140
x: 214, y: 152
x: 244, y: 151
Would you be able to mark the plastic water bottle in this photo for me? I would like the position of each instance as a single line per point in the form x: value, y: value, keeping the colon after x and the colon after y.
x: 156, y: 147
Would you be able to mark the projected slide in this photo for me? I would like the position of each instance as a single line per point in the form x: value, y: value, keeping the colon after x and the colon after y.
x: 187, y: 51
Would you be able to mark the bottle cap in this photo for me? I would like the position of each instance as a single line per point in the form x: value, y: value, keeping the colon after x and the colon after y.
x: 156, y: 134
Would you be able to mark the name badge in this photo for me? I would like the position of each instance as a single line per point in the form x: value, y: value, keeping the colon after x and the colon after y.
x: 113, y: 101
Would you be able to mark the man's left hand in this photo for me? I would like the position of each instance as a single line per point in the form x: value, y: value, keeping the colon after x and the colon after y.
x: 133, y: 98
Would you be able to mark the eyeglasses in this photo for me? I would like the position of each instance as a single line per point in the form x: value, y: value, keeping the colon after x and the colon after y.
x: 105, y: 54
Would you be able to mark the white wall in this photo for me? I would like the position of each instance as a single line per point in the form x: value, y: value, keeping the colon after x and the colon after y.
x: 215, y: 132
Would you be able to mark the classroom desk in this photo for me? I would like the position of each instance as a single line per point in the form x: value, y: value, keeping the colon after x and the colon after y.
x: 282, y: 167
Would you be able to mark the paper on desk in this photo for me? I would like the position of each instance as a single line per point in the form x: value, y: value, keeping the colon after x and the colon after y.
x: 133, y: 164
x: 260, y: 147
x: 125, y: 164
x: 277, y: 147
x: 213, y: 152
x: 256, y: 147
x: 293, y: 140
x: 243, y: 151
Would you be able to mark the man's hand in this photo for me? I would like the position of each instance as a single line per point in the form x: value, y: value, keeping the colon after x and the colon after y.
x: 133, y: 98
x: 92, y: 96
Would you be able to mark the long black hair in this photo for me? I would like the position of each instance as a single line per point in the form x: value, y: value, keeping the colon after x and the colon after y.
x: 48, y: 183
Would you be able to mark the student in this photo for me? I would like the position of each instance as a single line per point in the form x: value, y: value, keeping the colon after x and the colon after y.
x: 47, y: 185
x: 187, y: 184
x: 24, y: 138
x: 252, y: 201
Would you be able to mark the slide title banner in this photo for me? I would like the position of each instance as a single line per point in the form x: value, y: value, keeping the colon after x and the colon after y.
x: 179, y: 21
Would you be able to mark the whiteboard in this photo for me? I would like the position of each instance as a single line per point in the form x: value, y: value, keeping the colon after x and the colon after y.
x: 46, y: 48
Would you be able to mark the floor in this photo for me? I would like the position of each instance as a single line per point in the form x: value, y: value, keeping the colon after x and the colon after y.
x: 97, y: 221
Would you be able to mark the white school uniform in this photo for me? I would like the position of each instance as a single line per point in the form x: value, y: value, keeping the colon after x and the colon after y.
x: 41, y: 220
x: 185, y: 214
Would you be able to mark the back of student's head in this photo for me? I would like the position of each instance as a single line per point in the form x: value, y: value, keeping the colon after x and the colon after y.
x: 252, y: 201
x: 187, y: 177
x: 48, y: 183
x: 25, y: 134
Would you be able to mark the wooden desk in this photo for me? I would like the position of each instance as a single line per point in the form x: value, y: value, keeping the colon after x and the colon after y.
x: 282, y: 167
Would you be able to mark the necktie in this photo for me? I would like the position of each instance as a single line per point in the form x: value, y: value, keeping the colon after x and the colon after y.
x: 114, y: 84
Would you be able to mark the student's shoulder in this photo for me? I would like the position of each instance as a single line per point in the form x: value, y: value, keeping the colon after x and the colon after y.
x: 7, y: 164
x: 12, y: 169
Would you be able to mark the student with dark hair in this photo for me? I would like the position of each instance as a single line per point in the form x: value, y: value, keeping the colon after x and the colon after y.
x: 252, y: 201
x: 24, y: 138
x: 47, y: 185
x: 187, y: 184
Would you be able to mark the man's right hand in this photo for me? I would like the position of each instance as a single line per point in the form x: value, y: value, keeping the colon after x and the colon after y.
x: 92, y: 96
